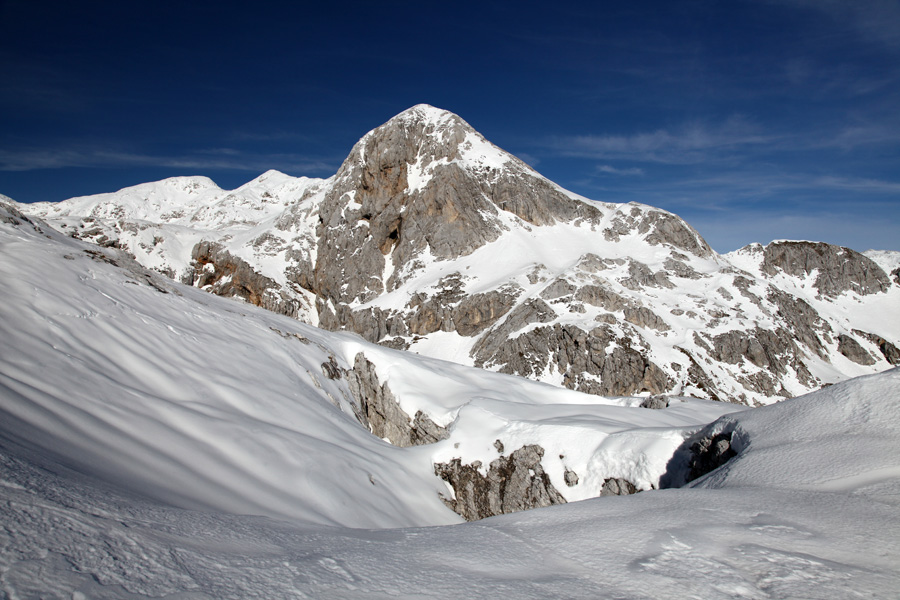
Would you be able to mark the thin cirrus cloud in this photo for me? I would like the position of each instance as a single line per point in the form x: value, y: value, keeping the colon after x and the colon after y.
x: 212, y: 159
x: 691, y: 143
x: 872, y: 20
x: 721, y: 192
x: 611, y: 170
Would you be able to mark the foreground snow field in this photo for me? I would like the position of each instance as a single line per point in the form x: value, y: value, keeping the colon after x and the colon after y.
x: 794, y: 516
x: 157, y: 441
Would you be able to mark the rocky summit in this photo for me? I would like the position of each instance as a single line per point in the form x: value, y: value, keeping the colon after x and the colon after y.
x: 431, y: 239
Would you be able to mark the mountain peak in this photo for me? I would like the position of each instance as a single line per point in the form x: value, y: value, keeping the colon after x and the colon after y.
x: 426, y: 113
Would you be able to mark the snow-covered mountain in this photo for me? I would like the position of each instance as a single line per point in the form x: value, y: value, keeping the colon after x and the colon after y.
x: 157, y: 441
x: 204, y: 403
x: 431, y: 239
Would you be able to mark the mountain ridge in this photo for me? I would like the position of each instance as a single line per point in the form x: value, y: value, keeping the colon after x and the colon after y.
x: 431, y: 239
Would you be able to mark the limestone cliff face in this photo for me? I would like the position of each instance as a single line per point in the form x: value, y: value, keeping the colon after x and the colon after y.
x: 423, y: 183
x: 426, y: 188
x: 836, y: 269
x: 220, y: 272
x: 380, y: 412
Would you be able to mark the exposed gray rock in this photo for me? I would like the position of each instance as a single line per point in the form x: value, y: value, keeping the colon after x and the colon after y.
x: 373, y: 324
x: 709, y: 453
x: 330, y: 369
x: 514, y: 483
x: 699, y: 379
x: 452, y: 310
x: 665, y: 228
x: 533, y: 310
x: 743, y: 284
x: 850, y: 348
x: 680, y: 269
x: 616, y: 486
x: 560, y: 288
x: 701, y: 453
x: 804, y: 323
x: 13, y: 216
x: 640, y: 276
x: 381, y: 413
x: 601, y: 296
x: 837, y: 269
x: 644, y: 317
x: 477, y: 312
x: 888, y: 350
x: 220, y: 272
x: 595, y: 362
x: 657, y: 402
x: 658, y: 227
x: 772, y: 351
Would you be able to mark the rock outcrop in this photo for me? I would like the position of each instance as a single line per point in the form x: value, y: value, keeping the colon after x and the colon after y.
x: 658, y: 402
x: 220, y: 272
x: 709, y: 453
x: 616, y: 486
x: 700, y: 454
x: 889, y: 351
x: 837, y: 269
x: 596, y: 361
x: 511, y: 484
x: 381, y: 413
x: 850, y: 348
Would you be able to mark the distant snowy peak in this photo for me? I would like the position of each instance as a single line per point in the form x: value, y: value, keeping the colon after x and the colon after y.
x: 191, y: 201
x: 889, y: 260
x: 149, y: 201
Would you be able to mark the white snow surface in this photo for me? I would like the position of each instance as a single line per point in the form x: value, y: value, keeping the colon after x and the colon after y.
x: 156, y: 441
x: 122, y: 380
x: 889, y: 260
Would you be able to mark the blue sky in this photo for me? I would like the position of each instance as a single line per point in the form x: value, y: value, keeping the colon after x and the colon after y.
x: 752, y: 119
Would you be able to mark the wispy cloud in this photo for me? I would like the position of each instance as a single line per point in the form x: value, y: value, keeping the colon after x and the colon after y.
x: 726, y: 191
x: 729, y: 192
x: 210, y: 159
x: 611, y: 170
x: 858, y: 184
x: 690, y: 143
x: 859, y: 135
x: 872, y: 20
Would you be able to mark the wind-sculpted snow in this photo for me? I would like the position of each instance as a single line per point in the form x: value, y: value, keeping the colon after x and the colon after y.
x: 204, y: 403
x: 806, y: 510
x: 431, y: 239
x: 143, y: 424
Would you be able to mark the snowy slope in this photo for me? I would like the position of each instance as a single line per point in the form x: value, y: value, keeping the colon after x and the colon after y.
x: 201, y: 402
x: 794, y: 516
x: 156, y: 441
